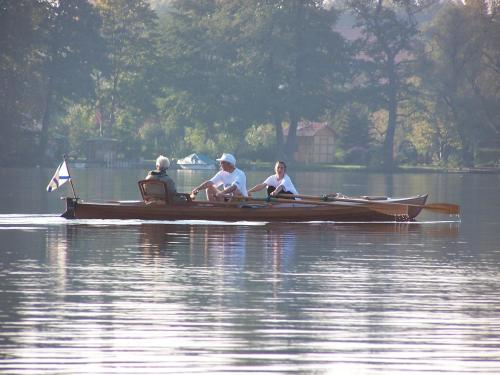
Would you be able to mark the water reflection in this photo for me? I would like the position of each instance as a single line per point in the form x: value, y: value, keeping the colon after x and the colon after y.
x: 133, y: 297
x: 303, y: 298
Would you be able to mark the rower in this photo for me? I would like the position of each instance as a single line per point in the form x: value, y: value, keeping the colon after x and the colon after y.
x: 232, y: 180
x: 278, y: 183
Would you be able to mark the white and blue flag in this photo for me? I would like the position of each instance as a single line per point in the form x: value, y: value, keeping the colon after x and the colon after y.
x: 60, y: 177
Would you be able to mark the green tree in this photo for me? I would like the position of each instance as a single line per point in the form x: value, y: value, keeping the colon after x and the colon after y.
x: 243, y: 63
x: 132, y: 79
x: 388, y: 31
x: 460, y: 70
x: 295, y: 61
x: 70, y: 50
x: 18, y: 77
x: 204, y: 77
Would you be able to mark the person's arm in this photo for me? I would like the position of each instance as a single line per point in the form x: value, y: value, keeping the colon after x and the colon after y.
x: 276, y: 191
x: 229, y: 190
x: 257, y: 187
x: 203, y: 186
x: 286, y: 185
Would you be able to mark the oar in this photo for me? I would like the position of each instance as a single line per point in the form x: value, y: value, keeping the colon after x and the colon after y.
x: 235, y: 201
x: 395, y: 209
x: 447, y: 208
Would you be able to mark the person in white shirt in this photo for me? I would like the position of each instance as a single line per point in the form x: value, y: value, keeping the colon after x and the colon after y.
x: 278, y: 183
x: 232, y: 180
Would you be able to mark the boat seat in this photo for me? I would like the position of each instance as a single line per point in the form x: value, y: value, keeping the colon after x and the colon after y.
x: 156, y: 191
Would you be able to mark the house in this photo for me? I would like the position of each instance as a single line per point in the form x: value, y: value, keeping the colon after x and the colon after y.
x: 315, y: 142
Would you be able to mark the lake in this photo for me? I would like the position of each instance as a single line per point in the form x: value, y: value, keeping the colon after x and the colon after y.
x: 118, y: 297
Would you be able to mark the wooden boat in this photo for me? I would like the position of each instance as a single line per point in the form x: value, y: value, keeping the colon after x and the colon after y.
x: 158, y: 205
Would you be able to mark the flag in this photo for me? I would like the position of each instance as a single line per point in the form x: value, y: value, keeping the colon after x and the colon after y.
x: 60, y: 177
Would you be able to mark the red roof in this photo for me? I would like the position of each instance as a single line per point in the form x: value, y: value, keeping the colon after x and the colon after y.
x: 309, y: 129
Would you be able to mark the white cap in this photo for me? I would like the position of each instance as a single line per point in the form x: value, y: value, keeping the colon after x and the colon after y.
x: 227, y: 157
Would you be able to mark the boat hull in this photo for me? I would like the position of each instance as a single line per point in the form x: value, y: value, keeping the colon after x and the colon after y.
x: 338, y: 211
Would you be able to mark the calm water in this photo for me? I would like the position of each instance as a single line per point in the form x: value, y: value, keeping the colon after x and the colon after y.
x: 324, y: 298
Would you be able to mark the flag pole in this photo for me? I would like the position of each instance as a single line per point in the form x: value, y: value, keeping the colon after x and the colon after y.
x: 70, y: 179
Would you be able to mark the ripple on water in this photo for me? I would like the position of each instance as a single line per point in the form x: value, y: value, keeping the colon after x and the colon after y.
x: 292, y: 298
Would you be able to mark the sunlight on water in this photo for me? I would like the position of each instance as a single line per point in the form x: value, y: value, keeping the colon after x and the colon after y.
x: 396, y: 298
x: 156, y: 297
x: 15, y: 219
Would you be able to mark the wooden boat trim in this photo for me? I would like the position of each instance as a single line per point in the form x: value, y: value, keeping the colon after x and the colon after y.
x: 238, y: 211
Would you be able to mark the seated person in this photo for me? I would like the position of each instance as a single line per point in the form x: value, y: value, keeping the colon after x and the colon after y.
x: 278, y: 183
x: 160, y: 173
x: 232, y: 180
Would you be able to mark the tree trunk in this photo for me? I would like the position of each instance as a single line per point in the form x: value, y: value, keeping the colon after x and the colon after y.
x: 44, y: 133
x: 388, y: 156
x: 467, y: 153
x: 291, y: 140
x: 279, y: 137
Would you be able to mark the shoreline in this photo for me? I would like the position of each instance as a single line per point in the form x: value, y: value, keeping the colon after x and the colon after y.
x: 296, y: 167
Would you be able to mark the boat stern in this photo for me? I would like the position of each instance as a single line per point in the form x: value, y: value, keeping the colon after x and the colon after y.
x: 70, y: 208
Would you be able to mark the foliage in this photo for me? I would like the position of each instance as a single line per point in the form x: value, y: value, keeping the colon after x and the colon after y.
x: 18, y: 80
x: 388, y: 31
x: 260, y: 141
x: 131, y: 78
x: 48, y: 52
x: 460, y: 70
x: 70, y: 48
x: 78, y: 125
x: 401, y: 83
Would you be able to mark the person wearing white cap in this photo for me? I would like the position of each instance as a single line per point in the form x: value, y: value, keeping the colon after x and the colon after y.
x: 232, y: 180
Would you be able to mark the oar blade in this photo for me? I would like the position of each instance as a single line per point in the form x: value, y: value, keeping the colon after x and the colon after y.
x: 446, y: 208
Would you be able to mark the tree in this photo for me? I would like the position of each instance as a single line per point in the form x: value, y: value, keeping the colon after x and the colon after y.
x: 18, y: 66
x: 241, y: 63
x: 295, y: 60
x: 388, y: 31
x: 460, y: 70
x: 70, y: 51
x: 128, y: 85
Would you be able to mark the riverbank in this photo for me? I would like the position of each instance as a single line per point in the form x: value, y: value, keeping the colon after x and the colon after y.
x: 316, y: 167
x: 362, y: 168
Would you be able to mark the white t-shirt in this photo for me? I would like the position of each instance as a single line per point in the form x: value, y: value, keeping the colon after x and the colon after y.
x: 286, y: 182
x: 235, y: 178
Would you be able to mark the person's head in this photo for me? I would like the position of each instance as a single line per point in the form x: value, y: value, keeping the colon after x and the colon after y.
x: 162, y: 163
x: 227, y: 162
x: 280, y: 168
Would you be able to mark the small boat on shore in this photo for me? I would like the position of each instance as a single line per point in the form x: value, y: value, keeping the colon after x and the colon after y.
x: 196, y: 162
x: 157, y: 205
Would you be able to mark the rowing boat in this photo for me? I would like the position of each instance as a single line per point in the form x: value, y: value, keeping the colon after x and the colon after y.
x: 158, y: 203
x: 249, y: 210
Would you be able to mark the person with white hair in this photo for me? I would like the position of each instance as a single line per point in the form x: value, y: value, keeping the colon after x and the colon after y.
x: 232, y: 180
x: 160, y: 173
